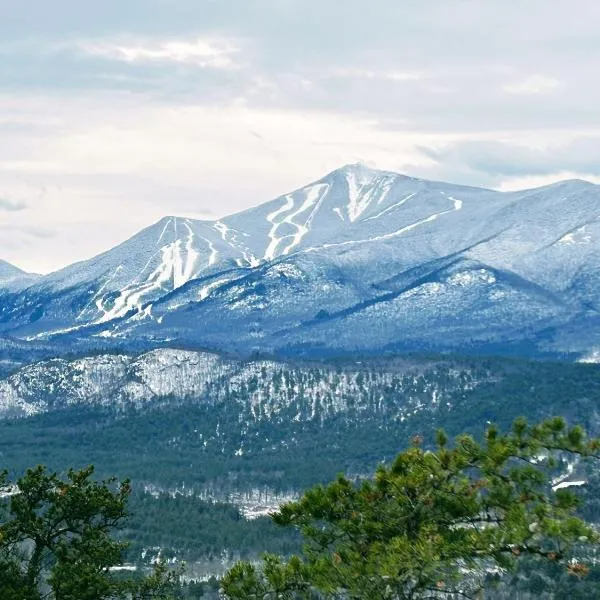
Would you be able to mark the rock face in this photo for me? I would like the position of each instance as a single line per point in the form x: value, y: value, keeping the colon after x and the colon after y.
x: 359, y: 260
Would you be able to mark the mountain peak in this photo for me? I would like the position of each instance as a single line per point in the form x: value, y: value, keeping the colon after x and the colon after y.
x: 11, y: 276
x: 364, y: 170
x: 368, y: 247
x: 167, y: 220
x: 8, y: 270
x: 572, y: 185
x: 579, y: 183
x: 358, y: 166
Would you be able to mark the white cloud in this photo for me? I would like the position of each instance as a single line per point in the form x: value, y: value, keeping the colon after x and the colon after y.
x: 12, y: 205
x: 535, y: 84
x: 373, y: 74
x: 206, y: 53
x: 119, y: 162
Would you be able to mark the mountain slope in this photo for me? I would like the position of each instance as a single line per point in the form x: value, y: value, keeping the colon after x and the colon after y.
x: 172, y: 376
x: 360, y: 259
x: 12, y: 277
x: 8, y: 271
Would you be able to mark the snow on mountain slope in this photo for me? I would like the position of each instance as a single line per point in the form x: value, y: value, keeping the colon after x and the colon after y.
x: 543, y: 228
x: 301, y: 302
x: 261, y: 389
x: 111, y: 380
x: 8, y: 271
x: 159, y: 259
x: 12, y: 277
x: 352, y: 206
x: 357, y: 254
x: 126, y: 279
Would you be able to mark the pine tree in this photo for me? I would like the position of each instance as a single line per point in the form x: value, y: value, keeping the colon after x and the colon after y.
x: 434, y: 523
x: 56, y: 539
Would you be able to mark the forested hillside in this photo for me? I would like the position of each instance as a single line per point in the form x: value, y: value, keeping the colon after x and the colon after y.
x: 273, y: 429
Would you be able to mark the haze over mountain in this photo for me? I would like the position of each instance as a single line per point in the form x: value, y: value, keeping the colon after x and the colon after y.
x: 8, y: 271
x: 358, y: 260
x: 12, y: 277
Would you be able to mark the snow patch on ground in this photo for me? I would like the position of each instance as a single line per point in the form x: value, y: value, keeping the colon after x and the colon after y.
x: 592, y: 358
x: 579, y: 236
x: 467, y: 278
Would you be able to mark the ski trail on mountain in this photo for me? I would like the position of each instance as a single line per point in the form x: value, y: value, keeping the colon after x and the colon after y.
x: 137, y: 279
x: 456, y: 207
x: 314, y: 197
x: 160, y: 237
x: 362, y: 192
x: 96, y: 297
x: 176, y: 268
x: 355, y: 206
x: 214, y: 253
x: 272, y: 247
x: 392, y: 207
x: 187, y: 262
x: 247, y: 257
x: 338, y: 212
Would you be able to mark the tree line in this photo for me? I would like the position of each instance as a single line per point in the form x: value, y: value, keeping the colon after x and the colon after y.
x: 447, y: 520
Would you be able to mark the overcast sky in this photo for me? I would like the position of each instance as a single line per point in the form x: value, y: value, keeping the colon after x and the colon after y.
x: 116, y: 113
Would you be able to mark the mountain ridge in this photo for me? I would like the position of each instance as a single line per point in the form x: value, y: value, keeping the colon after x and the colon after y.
x: 347, y: 167
x: 12, y: 276
x: 8, y: 269
x: 333, y: 247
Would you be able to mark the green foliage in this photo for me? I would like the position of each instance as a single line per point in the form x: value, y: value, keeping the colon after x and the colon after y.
x: 195, y: 441
x: 57, y: 534
x: 434, y: 523
x: 172, y: 442
x: 187, y: 527
x: 161, y: 584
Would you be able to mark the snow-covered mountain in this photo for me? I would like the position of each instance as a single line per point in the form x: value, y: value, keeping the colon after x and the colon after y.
x: 361, y: 259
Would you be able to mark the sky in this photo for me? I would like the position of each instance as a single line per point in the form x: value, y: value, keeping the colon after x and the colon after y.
x: 114, y: 114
